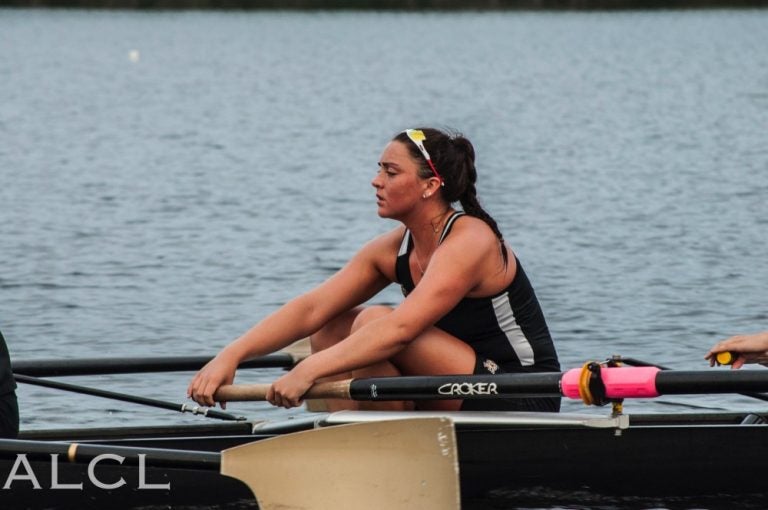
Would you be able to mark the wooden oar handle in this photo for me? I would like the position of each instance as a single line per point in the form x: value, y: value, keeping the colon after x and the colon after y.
x: 245, y: 392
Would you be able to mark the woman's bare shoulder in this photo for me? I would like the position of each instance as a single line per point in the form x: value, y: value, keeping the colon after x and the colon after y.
x: 475, y: 247
x: 468, y: 229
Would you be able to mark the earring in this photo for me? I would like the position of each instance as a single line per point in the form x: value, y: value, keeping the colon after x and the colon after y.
x: 424, y: 195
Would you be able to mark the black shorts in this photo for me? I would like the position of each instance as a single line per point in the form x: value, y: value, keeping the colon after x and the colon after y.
x: 484, y: 366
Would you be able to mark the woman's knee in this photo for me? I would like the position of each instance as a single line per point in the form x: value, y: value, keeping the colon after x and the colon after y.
x: 370, y: 314
x: 334, y: 331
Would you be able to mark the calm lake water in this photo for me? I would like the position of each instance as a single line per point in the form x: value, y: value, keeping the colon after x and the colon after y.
x: 168, y: 178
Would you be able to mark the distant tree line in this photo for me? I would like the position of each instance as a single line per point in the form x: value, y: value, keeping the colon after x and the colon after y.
x: 390, y: 4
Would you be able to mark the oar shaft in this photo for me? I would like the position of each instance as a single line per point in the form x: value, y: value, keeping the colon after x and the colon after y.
x: 670, y: 382
x: 636, y: 362
x: 83, y: 452
x: 542, y: 384
x: 619, y: 382
x: 414, y: 388
x: 99, y: 366
x: 649, y: 382
x: 85, y: 390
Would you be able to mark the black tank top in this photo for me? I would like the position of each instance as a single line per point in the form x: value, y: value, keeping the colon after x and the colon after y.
x: 508, y: 328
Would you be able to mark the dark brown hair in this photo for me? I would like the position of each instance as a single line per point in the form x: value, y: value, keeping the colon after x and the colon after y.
x: 454, y: 158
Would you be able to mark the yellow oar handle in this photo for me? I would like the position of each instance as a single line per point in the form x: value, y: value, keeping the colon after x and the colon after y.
x: 244, y: 392
x: 725, y: 358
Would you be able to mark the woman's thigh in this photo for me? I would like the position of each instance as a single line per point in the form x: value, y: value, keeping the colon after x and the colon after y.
x: 335, y: 330
x: 435, y: 352
x: 432, y: 352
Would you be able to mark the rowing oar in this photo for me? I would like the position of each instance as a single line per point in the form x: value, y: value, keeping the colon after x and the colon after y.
x: 398, y: 464
x: 182, y: 408
x: 723, y: 358
x: 592, y: 383
x: 49, y: 367
x: 99, y: 366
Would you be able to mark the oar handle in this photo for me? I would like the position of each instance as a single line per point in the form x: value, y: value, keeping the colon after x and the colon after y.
x: 245, y: 392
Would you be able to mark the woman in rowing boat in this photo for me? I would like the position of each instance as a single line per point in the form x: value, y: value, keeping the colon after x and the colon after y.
x: 747, y: 348
x: 469, y: 307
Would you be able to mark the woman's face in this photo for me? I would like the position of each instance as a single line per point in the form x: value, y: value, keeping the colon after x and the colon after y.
x: 398, y: 186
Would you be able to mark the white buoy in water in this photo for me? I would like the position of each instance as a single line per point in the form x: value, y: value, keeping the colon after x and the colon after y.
x: 133, y: 55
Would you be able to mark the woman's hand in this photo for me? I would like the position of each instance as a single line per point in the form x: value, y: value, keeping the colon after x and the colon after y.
x: 748, y: 348
x: 217, y: 372
x: 288, y: 391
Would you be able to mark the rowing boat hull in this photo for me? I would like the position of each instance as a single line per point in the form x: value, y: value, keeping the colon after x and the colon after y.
x: 693, y: 455
x: 186, y: 488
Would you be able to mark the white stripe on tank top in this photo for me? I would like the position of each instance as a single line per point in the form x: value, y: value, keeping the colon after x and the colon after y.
x: 506, y: 319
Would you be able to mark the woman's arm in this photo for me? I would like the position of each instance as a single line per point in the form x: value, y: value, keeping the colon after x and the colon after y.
x: 355, y: 283
x: 466, y: 260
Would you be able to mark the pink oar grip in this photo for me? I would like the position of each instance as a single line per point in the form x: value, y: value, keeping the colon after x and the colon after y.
x: 630, y: 382
x: 620, y: 382
x: 569, y: 383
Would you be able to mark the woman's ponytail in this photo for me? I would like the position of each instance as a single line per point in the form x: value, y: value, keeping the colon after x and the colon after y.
x: 454, y: 158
